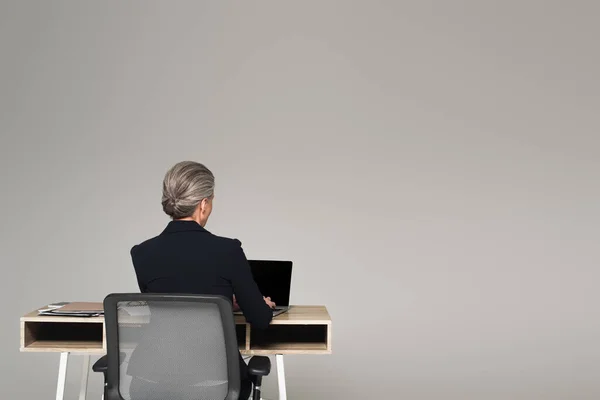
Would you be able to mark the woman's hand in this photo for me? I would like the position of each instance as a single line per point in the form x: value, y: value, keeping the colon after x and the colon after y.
x: 270, y: 303
x: 236, y: 306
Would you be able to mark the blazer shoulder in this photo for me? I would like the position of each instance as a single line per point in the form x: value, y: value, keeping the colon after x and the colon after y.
x: 147, y: 244
x: 228, y: 242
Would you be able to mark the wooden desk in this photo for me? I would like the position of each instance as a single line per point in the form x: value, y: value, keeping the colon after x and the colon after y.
x: 301, y: 330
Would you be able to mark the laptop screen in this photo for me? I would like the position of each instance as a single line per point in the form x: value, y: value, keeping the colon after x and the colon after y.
x: 274, y: 279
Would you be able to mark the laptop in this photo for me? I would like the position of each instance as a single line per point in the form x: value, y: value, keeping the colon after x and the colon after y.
x: 274, y: 280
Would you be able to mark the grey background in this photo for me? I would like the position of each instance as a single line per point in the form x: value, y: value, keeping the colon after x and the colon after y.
x: 430, y: 167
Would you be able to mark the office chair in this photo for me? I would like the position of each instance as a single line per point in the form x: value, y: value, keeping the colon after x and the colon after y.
x: 173, y: 347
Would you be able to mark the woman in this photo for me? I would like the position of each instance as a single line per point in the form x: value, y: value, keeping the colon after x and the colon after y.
x: 186, y: 258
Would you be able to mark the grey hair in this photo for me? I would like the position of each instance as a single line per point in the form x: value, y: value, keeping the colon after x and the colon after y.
x: 185, y: 185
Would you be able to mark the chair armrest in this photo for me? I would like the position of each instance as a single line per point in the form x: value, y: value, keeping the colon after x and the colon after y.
x: 101, y: 365
x: 259, y: 366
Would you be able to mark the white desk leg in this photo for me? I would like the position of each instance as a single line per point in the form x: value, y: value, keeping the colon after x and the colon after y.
x: 62, y: 376
x: 84, y: 377
x: 281, y: 377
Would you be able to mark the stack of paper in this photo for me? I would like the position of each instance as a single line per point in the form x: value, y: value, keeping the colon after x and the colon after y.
x: 73, y: 310
x: 52, y: 306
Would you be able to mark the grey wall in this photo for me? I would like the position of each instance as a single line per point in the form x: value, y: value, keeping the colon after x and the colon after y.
x: 431, y: 168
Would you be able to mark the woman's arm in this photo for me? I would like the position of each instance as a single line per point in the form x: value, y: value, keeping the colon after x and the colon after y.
x: 236, y: 306
x: 247, y: 295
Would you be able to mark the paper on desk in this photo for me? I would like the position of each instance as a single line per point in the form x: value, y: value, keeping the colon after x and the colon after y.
x: 83, y: 307
x: 74, y: 310
x: 53, y: 306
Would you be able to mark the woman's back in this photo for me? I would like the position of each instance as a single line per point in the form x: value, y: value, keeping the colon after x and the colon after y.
x: 186, y: 258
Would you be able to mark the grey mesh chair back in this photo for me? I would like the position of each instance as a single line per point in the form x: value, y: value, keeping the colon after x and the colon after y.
x: 170, y: 347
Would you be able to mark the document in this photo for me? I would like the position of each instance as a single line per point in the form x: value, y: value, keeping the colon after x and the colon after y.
x: 75, y: 309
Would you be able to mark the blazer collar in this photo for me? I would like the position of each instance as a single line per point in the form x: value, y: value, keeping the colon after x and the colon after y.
x: 183, y: 226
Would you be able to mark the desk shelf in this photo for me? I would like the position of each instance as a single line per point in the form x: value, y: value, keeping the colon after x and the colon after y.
x: 75, y: 336
x: 301, y: 330
x: 291, y: 339
x: 284, y: 339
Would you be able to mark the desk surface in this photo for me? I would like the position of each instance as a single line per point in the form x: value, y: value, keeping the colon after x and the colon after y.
x: 296, y: 315
x: 300, y: 330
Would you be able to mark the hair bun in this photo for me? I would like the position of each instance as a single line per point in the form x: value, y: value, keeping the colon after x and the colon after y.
x: 185, y: 185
